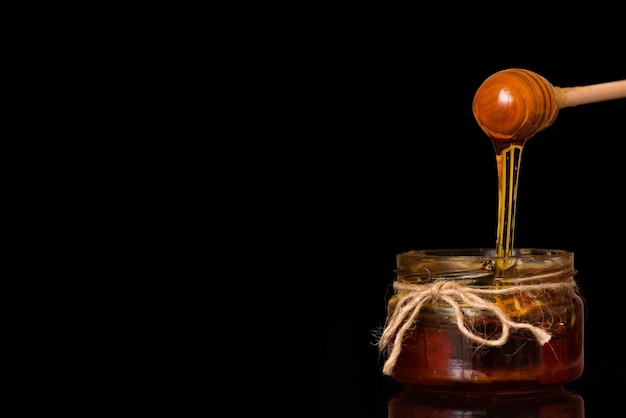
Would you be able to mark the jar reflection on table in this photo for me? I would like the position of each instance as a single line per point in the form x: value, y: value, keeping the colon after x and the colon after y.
x: 414, y: 403
x: 539, y: 293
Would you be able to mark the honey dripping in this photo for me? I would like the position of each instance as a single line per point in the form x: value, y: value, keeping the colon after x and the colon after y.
x: 510, y: 107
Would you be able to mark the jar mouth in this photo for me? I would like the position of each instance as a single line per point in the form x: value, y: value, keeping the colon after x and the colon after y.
x: 483, y: 266
x: 488, y: 252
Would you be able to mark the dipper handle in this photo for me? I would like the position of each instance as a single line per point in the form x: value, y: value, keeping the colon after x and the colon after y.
x: 574, y: 96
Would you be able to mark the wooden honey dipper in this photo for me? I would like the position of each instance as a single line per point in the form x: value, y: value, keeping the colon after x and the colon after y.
x: 514, y: 104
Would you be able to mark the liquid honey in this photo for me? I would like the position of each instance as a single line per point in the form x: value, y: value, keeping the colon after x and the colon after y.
x: 508, y: 163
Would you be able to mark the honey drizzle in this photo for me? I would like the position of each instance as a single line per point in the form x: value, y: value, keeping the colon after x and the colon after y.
x: 508, y: 163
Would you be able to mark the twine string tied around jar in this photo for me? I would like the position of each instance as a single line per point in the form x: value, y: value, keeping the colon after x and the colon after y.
x: 410, y: 304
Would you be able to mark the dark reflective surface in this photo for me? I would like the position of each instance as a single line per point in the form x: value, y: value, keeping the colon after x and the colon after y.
x: 409, y: 403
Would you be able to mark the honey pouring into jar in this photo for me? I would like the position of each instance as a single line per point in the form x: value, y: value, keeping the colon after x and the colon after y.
x: 499, y: 320
x: 513, y: 105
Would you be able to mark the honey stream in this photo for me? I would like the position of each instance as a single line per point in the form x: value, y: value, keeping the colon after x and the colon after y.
x: 508, y: 163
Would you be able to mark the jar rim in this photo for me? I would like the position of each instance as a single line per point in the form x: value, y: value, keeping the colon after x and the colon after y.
x: 482, y: 265
x: 482, y: 252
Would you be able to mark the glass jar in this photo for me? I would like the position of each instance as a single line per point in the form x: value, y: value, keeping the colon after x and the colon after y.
x: 466, y: 320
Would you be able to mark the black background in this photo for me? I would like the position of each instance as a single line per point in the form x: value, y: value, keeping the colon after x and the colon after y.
x: 384, y: 156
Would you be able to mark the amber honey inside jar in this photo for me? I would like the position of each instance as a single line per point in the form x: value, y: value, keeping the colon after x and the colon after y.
x: 467, y: 320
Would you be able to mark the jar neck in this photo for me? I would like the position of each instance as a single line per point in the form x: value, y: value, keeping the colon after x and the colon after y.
x: 480, y: 267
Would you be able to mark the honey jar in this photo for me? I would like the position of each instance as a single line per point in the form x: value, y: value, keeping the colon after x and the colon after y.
x: 469, y: 321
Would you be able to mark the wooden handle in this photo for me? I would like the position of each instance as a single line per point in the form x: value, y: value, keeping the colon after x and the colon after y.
x: 574, y: 96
